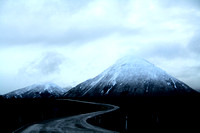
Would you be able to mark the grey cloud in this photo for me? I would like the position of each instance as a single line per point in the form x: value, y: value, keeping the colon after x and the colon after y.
x: 96, y: 32
x: 37, y: 25
x: 191, y: 71
x: 48, y: 64
x: 194, y: 44
x: 75, y: 34
x: 41, y: 7
x: 167, y: 51
x: 191, y: 75
x: 190, y: 3
x: 26, y: 22
x: 26, y: 26
x: 81, y: 35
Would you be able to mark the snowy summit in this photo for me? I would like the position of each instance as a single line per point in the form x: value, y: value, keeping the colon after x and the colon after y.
x: 46, y: 90
x: 130, y: 76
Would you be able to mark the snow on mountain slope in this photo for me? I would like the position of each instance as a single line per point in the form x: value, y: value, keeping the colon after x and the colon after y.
x: 46, y: 90
x: 130, y: 76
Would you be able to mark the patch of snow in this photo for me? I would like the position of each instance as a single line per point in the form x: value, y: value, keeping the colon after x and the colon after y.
x: 114, y: 83
x: 50, y: 91
x: 108, y: 90
x: 173, y: 83
x: 168, y: 83
x: 113, y: 79
x: 97, y: 81
x: 87, y: 91
x: 147, y: 89
x: 183, y: 85
x: 46, y: 87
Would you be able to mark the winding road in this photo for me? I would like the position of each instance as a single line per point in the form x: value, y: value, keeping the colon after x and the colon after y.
x: 72, y: 124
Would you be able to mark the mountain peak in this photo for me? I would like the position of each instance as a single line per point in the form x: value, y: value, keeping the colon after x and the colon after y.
x: 130, y: 76
x: 132, y: 68
x: 40, y: 90
x: 130, y: 59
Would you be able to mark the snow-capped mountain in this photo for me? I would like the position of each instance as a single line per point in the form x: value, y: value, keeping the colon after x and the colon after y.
x: 47, y: 90
x: 130, y: 76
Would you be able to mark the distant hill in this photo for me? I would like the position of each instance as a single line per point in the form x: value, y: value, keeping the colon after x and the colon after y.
x: 47, y: 90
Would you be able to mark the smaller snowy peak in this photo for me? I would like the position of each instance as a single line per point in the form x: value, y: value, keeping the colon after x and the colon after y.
x: 50, y: 87
x: 45, y: 90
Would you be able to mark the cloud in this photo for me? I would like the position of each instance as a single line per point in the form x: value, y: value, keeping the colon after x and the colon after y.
x: 48, y: 64
x: 86, y: 36
x: 194, y: 43
x: 32, y: 21
x: 53, y: 22
x: 191, y: 75
x: 186, y: 3
x: 166, y: 51
x: 80, y: 22
x: 63, y: 22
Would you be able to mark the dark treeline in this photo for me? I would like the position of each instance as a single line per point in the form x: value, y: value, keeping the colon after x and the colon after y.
x: 156, y: 114
x: 15, y: 113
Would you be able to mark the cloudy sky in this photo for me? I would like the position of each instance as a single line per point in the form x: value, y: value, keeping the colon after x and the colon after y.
x: 69, y: 41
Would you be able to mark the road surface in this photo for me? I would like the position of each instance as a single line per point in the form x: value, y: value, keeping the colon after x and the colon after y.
x: 72, y: 124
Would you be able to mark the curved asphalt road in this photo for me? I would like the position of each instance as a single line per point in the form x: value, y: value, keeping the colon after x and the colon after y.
x: 72, y: 124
